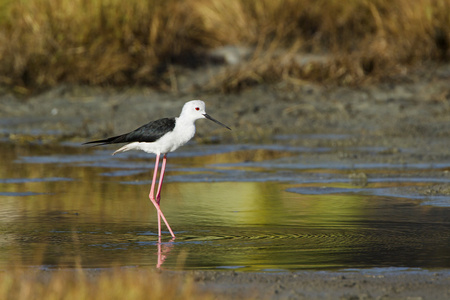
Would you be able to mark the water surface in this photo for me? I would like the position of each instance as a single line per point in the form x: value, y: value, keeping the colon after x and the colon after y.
x: 243, y: 207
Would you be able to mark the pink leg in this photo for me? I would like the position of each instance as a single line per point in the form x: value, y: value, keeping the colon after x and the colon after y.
x: 159, y: 224
x: 161, y: 178
x: 160, y: 257
x: 155, y: 173
x: 155, y: 203
x: 158, y: 192
x: 152, y: 189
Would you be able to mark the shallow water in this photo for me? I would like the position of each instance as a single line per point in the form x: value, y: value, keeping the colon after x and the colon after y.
x: 243, y: 207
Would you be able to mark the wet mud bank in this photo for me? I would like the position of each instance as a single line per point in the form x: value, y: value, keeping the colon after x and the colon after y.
x: 412, y: 112
x: 369, y: 284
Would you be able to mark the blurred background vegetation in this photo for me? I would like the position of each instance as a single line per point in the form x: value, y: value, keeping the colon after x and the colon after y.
x: 111, y: 42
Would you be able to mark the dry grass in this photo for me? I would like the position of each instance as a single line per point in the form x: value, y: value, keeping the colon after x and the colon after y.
x: 46, y: 42
x: 360, y: 41
x: 26, y: 284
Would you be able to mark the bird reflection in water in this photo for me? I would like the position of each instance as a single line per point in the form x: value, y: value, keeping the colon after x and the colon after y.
x: 163, y: 251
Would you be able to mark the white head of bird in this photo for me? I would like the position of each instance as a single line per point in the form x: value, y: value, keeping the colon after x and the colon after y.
x: 194, y: 110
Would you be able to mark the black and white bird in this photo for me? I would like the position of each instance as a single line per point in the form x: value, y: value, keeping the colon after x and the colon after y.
x: 161, y: 137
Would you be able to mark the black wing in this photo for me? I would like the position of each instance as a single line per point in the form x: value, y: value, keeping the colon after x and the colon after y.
x: 149, y: 132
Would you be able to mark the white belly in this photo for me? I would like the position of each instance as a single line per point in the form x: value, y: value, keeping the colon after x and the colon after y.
x: 167, y: 143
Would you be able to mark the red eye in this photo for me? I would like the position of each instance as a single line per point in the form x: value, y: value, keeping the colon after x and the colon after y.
x: 197, y: 108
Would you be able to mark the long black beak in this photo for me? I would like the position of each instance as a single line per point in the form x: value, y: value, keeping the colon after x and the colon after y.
x: 215, y: 121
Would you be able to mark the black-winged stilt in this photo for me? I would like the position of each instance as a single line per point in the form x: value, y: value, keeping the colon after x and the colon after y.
x: 161, y: 137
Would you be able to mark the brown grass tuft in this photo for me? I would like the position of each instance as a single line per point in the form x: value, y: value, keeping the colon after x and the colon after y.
x: 46, y: 42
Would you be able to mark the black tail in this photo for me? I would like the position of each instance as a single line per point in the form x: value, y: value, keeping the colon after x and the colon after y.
x: 107, y: 141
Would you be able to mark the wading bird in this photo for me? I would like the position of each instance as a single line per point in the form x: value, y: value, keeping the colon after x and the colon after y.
x: 161, y: 137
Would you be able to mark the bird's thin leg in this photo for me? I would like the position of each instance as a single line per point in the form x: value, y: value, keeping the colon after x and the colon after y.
x: 158, y: 192
x: 152, y: 198
x: 152, y: 189
x: 159, y: 224
x: 155, y: 173
x: 160, y: 258
x: 161, y: 178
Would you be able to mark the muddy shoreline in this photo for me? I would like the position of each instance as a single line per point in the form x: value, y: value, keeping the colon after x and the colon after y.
x: 407, y: 118
x: 415, y: 107
x: 378, y: 283
x: 375, y: 284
